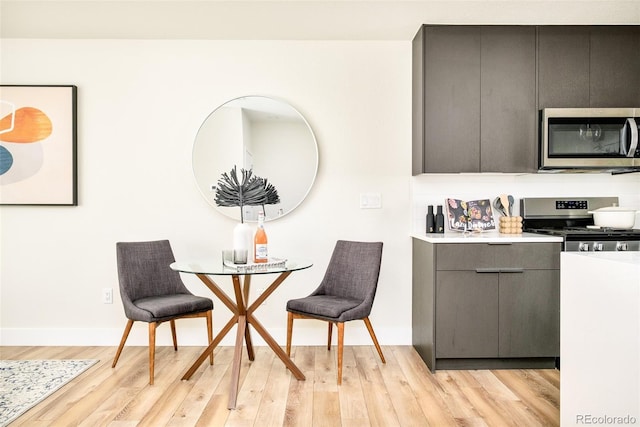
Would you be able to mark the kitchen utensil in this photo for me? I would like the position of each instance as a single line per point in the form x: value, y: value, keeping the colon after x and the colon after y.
x: 498, y: 206
x: 511, y: 200
x: 504, y: 200
x: 614, y: 217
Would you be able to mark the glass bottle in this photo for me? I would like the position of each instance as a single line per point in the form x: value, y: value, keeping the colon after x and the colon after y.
x: 260, y: 242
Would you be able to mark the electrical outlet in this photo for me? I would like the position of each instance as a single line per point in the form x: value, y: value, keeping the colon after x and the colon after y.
x: 107, y: 296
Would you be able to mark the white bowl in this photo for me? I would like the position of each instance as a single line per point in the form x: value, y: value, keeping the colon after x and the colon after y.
x: 614, y: 217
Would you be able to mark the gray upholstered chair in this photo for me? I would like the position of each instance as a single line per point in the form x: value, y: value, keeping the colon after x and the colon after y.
x: 346, y: 293
x: 154, y: 293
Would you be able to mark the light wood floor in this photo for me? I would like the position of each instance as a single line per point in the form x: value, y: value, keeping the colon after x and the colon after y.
x: 401, y: 392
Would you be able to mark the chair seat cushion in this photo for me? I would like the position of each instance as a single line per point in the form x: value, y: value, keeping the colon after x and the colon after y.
x: 324, y: 306
x: 164, y: 306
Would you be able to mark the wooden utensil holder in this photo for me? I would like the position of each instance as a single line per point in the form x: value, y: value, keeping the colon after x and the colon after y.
x: 511, y: 225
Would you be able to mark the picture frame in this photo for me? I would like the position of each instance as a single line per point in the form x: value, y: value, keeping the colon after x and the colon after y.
x: 38, y: 145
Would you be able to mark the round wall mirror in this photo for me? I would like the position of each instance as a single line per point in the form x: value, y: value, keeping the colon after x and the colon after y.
x: 265, y: 135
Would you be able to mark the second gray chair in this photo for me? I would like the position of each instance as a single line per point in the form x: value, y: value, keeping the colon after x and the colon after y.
x: 346, y: 293
x: 154, y: 293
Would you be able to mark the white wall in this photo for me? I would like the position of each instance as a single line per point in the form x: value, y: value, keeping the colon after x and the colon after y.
x: 140, y: 105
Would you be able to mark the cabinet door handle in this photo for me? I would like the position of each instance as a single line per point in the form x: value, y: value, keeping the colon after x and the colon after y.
x: 487, y: 270
x: 500, y: 243
x: 512, y: 270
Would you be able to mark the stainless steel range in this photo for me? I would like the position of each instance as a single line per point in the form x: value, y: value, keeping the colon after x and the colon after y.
x: 570, y: 219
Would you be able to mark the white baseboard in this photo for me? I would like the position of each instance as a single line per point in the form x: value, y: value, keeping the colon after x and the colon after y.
x: 354, y: 335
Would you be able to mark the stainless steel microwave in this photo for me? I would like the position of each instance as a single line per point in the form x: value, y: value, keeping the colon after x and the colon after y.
x: 589, y: 138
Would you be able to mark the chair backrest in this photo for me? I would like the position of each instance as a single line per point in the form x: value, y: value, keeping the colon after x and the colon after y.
x: 353, y: 271
x: 143, y: 270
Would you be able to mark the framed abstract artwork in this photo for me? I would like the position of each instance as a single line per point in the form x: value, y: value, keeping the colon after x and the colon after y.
x: 38, y: 145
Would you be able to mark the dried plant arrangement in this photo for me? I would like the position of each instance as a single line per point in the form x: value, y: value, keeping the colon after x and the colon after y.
x: 249, y: 190
x: 271, y: 194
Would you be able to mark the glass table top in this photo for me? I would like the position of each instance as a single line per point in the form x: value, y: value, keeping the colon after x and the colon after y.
x: 215, y: 266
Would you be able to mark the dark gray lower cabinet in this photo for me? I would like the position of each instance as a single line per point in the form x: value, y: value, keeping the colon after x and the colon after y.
x: 529, y: 314
x: 478, y: 305
x: 466, y: 314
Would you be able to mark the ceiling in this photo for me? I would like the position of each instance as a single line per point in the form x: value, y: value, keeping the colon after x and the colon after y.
x: 288, y: 19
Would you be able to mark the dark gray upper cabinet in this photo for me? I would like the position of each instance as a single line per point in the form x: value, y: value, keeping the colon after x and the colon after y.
x: 614, y: 66
x: 508, y: 118
x: 447, y: 133
x: 474, y: 99
x: 563, y: 67
x: 588, y: 66
x: 477, y: 89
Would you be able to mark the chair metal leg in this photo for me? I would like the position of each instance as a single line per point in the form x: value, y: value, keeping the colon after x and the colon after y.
x: 210, y: 333
x: 330, y: 331
x: 125, y: 335
x: 289, y: 332
x: 173, y: 334
x: 340, y: 349
x: 152, y: 350
x: 373, y: 337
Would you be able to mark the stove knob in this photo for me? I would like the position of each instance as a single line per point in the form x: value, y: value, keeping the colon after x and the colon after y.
x: 597, y: 247
x: 621, y: 246
x: 583, y: 247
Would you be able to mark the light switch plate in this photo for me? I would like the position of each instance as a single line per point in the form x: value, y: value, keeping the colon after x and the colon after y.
x: 370, y: 201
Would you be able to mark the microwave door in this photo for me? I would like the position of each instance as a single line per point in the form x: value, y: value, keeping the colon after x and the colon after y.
x: 586, y: 138
x: 629, y: 138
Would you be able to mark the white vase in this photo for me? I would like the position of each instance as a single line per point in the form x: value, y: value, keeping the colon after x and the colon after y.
x: 242, y: 236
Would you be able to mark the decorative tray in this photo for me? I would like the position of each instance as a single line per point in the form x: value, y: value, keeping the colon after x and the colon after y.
x: 256, y: 266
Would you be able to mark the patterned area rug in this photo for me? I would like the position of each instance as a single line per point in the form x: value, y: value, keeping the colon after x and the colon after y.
x: 25, y: 383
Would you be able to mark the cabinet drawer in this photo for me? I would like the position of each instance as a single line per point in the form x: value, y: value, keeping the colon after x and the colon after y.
x: 473, y: 256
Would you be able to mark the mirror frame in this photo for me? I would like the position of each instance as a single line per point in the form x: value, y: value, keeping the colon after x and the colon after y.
x: 205, y: 184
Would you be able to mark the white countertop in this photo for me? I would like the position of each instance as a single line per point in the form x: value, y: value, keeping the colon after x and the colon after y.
x: 632, y: 258
x: 484, y: 237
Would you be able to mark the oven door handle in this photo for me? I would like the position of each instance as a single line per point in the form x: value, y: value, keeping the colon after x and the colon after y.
x: 633, y: 127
